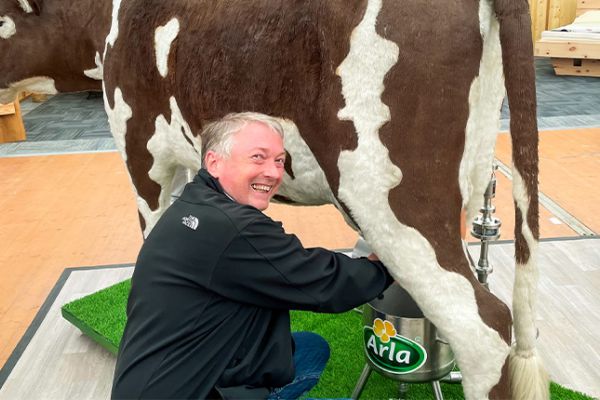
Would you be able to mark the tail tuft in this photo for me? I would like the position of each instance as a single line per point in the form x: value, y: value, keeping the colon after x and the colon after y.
x: 528, y: 378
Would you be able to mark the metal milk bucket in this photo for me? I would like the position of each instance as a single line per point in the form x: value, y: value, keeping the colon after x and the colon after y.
x: 400, y: 343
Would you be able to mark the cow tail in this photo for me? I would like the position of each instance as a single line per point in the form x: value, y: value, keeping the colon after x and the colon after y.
x: 528, y: 377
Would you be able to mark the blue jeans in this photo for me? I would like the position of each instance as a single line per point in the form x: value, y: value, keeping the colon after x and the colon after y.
x: 310, y: 358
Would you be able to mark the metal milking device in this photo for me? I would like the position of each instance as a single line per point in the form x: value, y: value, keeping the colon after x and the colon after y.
x: 486, y: 228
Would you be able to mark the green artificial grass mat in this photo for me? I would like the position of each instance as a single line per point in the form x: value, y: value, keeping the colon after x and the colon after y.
x: 101, y: 316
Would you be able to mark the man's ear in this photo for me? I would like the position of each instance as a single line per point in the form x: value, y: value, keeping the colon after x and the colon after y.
x: 212, y: 162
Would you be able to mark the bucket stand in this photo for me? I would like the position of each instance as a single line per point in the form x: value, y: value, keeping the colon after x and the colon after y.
x: 402, y: 386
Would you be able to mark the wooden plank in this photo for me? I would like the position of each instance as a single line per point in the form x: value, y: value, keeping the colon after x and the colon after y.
x: 567, y: 66
x: 11, y: 125
x: 7, y: 109
x: 591, y: 4
x: 539, y: 12
x: 584, y: 6
x: 567, y: 49
x: 560, y: 13
x: 59, y: 362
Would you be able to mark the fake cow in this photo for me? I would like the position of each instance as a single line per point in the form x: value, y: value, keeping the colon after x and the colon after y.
x: 390, y: 110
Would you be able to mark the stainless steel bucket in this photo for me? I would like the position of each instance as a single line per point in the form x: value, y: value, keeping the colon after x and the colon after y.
x: 403, y: 345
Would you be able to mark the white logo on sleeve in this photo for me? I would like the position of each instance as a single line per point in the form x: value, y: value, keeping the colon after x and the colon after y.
x: 190, y: 221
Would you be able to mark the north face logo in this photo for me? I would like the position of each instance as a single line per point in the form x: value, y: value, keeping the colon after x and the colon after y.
x: 190, y: 221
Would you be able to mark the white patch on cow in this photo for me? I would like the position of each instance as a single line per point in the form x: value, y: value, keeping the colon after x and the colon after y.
x: 170, y: 149
x: 114, y: 25
x: 117, y: 119
x: 37, y: 84
x: 485, y: 100
x: 95, y: 73
x: 366, y: 177
x: 309, y: 185
x: 163, y: 37
x: 25, y: 6
x: 7, y: 28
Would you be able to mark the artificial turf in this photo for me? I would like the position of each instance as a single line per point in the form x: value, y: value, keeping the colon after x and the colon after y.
x: 101, y: 316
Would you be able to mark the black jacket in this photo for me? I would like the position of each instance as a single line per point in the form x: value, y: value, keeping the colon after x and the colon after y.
x: 208, y: 312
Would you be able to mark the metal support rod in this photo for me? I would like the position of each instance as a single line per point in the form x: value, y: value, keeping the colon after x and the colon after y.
x: 483, y: 266
x: 437, y: 390
x: 362, y: 381
x: 402, y: 390
x: 486, y: 228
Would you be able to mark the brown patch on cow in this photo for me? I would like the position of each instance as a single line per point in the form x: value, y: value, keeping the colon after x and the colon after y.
x: 521, y: 247
x: 427, y: 92
x: 502, y: 388
x: 515, y: 38
x: 288, y: 165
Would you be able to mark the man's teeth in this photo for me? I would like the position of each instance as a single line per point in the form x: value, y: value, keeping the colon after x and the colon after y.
x: 261, y: 188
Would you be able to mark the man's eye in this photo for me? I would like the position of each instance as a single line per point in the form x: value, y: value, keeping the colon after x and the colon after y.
x: 258, y: 157
x: 280, y: 161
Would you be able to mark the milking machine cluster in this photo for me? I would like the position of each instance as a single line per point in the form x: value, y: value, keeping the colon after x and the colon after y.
x: 403, y: 345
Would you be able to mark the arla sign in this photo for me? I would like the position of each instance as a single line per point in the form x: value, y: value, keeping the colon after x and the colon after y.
x: 391, y: 352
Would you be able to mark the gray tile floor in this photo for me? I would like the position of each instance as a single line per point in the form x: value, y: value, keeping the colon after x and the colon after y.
x: 77, y: 122
x: 564, y: 102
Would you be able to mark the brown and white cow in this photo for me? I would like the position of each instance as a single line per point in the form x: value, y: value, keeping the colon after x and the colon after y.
x: 51, y: 47
x: 390, y: 108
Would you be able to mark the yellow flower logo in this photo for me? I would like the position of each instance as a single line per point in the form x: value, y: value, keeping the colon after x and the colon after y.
x: 384, y: 330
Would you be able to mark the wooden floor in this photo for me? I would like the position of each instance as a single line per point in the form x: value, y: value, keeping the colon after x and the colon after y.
x: 77, y: 210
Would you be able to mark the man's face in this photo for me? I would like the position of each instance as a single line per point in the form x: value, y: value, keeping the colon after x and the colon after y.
x: 253, y: 172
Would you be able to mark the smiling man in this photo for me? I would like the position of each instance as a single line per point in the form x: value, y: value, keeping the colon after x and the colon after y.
x: 208, y: 312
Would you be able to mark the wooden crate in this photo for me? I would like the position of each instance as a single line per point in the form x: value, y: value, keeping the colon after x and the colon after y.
x: 570, y: 66
x: 586, y: 5
x: 550, y: 14
x: 11, y: 123
x: 573, y: 57
x: 568, y: 49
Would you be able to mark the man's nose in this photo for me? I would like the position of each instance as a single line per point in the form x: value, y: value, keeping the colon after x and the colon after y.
x: 273, y: 170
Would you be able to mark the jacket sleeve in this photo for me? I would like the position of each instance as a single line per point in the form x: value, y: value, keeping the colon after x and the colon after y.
x: 266, y: 267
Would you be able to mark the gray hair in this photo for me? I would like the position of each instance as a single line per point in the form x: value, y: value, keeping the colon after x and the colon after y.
x: 218, y: 135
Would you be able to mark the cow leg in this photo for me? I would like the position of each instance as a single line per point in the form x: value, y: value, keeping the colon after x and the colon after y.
x: 152, y: 159
x: 366, y: 176
x: 446, y: 298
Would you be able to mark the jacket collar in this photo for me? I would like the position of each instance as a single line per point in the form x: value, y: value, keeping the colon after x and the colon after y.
x: 204, y: 178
